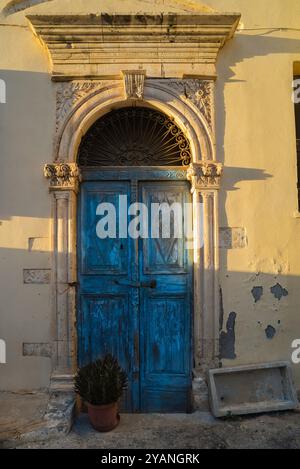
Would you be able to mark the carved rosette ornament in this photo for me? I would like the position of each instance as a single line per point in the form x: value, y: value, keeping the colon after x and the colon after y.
x: 134, y: 83
x: 69, y: 94
x: 199, y: 92
x: 62, y: 176
x: 205, y: 175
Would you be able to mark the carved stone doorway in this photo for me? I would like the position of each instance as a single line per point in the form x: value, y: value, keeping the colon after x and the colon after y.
x: 188, y: 104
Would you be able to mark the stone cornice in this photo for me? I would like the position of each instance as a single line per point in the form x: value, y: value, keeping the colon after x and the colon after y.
x: 98, y: 45
x: 205, y: 175
x: 62, y: 176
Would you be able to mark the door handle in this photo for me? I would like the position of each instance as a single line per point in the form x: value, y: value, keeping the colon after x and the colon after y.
x: 73, y: 284
x: 151, y: 284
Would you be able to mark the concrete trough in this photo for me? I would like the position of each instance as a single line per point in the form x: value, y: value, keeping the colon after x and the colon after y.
x: 251, y: 389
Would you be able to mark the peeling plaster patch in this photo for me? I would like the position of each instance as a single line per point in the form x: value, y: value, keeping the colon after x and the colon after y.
x: 276, y: 265
x: 253, y: 277
x: 227, y: 339
x: 278, y: 291
x: 270, y: 332
x: 257, y: 293
x: 37, y: 350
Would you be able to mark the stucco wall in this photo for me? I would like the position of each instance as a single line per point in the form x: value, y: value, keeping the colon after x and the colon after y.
x: 255, y: 141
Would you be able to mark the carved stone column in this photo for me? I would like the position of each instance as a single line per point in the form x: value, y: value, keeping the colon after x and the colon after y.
x: 64, y: 179
x: 205, y: 180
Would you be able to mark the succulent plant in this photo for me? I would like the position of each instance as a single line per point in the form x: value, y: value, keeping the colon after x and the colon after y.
x: 101, y: 382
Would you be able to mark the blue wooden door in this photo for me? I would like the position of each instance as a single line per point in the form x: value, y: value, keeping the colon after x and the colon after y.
x: 134, y: 296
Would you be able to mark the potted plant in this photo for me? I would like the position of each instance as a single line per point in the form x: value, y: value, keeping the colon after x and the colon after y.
x: 100, y: 384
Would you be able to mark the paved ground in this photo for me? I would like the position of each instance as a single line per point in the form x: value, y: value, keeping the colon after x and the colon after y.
x: 20, y: 412
x: 152, y: 431
x: 197, y: 431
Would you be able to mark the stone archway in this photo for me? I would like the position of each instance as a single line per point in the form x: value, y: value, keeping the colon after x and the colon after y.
x: 190, y: 103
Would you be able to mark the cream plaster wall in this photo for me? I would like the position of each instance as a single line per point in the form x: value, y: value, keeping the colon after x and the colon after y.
x: 255, y: 141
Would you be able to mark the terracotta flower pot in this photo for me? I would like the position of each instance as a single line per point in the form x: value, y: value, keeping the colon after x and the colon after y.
x: 104, y: 418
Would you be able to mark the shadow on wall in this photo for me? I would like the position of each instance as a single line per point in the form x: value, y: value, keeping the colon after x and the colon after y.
x: 26, y: 135
x: 258, y: 320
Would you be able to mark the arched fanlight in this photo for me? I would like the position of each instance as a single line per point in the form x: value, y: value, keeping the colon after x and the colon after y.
x: 134, y: 136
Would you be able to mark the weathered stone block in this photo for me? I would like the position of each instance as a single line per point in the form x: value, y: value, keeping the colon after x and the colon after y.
x: 233, y: 238
x: 251, y: 389
x: 36, y: 276
x: 37, y: 350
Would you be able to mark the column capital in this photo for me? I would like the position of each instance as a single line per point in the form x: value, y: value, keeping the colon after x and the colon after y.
x: 62, y: 176
x: 205, y: 175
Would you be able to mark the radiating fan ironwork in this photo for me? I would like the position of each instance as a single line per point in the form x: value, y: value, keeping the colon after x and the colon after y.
x: 134, y: 137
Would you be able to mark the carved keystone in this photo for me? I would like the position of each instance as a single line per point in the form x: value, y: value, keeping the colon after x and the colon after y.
x: 134, y: 83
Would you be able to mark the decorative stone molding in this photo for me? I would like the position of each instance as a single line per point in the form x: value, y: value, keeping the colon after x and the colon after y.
x: 62, y: 176
x: 69, y: 94
x: 134, y: 82
x: 64, y: 277
x: 168, y: 45
x: 37, y: 276
x: 157, y: 94
x: 199, y: 92
x: 205, y: 175
x: 37, y: 350
x: 190, y: 103
x: 87, y: 56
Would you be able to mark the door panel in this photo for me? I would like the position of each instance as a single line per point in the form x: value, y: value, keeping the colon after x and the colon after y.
x: 164, y: 344
x: 163, y: 255
x: 107, y: 323
x: 146, y: 325
x: 165, y: 311
x: 106, y: 319
x: 105, y: 328
x: 102, y: 256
